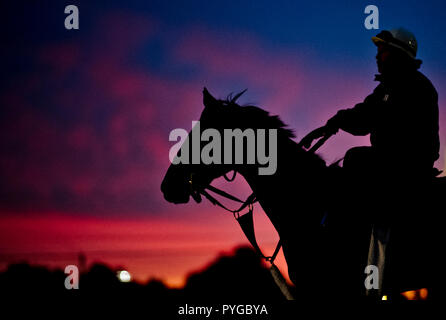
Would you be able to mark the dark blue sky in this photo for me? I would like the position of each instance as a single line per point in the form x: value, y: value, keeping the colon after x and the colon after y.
x: 332, y: 29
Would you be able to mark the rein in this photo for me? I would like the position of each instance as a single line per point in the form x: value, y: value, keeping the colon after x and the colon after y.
x: 245, y: 221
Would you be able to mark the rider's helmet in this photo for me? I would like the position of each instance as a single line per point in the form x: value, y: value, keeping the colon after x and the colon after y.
x: 399, y: 38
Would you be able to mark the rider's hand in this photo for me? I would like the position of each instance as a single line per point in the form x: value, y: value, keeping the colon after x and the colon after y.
x: 328, y: 130
x: 313, y: 135
x: 331, y: 127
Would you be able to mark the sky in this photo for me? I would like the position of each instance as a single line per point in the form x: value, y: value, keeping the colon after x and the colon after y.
x: 85, y: 115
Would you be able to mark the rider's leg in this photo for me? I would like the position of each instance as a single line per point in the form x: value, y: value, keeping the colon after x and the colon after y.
x: 357, y: 160
x: 358, y: 168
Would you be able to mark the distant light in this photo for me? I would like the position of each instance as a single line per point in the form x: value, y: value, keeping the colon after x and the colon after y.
x: 419, y: 294
x: 384, y: 298
x: 423, y: 294
x: 124, y: 276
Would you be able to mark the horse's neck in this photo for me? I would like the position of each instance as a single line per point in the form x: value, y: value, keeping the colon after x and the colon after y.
x: 277, y: 192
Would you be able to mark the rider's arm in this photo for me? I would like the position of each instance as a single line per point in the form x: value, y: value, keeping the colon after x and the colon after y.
x: 357, y: 120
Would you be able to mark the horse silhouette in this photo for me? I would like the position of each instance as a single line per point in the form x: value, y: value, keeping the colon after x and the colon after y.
x: 324, y: 236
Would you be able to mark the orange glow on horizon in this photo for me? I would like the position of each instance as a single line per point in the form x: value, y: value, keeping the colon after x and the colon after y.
x: 148, y: 248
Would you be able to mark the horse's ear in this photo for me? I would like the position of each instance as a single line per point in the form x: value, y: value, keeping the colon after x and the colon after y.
x: 238, y: 96
x: 208, y: 99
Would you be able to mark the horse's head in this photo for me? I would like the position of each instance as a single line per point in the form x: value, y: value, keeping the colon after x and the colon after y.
x: 184, y: 180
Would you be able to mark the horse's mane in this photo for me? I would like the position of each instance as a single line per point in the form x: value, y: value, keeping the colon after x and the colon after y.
x: 262, y: 116
x: 266, y: 120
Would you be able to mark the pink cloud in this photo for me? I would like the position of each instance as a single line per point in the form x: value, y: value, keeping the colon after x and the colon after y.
x: 278, y: 74
x: 88, y: 159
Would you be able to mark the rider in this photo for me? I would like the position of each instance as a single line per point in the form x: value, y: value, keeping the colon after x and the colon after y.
x: 401, y: 115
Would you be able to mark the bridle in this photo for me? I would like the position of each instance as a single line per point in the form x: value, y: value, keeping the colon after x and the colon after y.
x: 245, y: 221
